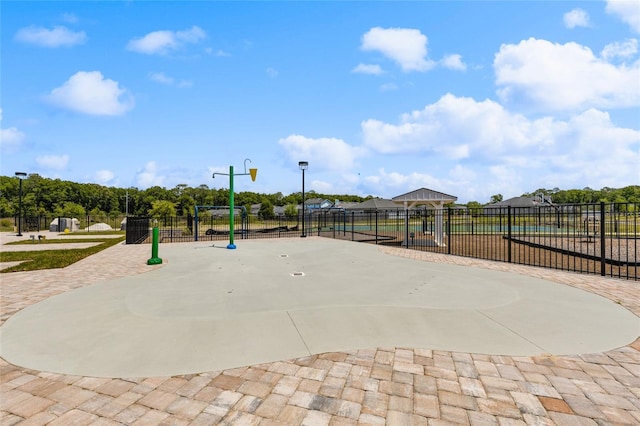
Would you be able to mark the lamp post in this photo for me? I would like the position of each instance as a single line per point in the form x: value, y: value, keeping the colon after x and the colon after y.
x: 304, y: 165
x: 20, y: 176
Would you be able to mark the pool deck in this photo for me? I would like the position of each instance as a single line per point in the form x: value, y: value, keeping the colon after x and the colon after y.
x: 381, y: 385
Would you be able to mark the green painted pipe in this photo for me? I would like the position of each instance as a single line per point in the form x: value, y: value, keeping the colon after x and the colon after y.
x: 155, y: 260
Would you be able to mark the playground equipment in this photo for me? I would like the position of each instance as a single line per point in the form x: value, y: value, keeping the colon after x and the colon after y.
x: 252, y: 173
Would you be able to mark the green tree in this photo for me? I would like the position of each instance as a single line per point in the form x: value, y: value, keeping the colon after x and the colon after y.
x: 186, y: 205
x: 96, y: 213
x: 266, y: 210
x: 474, y: 205
x: 291, y: 211
x: 162, y: 208
x: 71, y: 209
x: 495, y: 198
x: 294, y: 198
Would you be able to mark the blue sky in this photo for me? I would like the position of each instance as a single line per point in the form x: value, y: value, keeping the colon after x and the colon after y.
x: 470, y: 98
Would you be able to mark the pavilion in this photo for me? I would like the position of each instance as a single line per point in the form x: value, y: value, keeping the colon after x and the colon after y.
x: 431, y: 199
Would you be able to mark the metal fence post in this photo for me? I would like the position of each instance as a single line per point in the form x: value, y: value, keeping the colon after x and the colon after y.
x: 334, y: 226
x: 376, y: 226
x: 344, y: 223
x: 196, y: 224
x: 352, y: 221
x: 406, y: 228
x: 509, y: 234
x: 603, y: 246
x: 448, y: 230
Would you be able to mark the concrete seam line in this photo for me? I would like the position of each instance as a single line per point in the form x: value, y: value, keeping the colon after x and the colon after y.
x: 299, y: 334
x: 513, y: 331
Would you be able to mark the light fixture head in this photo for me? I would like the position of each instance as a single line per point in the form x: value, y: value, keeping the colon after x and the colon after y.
x: 21, y: 174
x: 304, y: 165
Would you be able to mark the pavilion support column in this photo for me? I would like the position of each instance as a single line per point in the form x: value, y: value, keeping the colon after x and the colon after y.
x: 438, y: 234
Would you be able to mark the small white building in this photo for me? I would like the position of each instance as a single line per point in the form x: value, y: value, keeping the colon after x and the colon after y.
x: 72, y: 224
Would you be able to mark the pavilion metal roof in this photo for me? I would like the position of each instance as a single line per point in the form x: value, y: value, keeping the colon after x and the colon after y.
x: 425, y: 195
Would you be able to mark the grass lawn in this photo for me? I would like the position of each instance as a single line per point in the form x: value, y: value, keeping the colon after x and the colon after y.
x: 50, y: 259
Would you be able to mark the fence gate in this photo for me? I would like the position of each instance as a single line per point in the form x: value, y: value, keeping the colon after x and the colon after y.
x: 137, y: 230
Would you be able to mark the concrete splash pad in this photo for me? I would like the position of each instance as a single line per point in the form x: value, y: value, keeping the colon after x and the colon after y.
x: 211, y: 309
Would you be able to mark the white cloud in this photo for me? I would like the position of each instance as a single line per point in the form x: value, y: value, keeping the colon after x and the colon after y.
x: 10, y: 138
x: 627, y: 10
x: 162, y: 78
x: 56, y: 37
x: 104, y: 176
x: 453, y: 62
x: 272, y: 72
x: 53, y: 162
x: 387, y: 87
x: 509, y: 153
x: 367, y: 69
x: 624, y: 50
x: 576, y: 18
x: 455, y: 128
x: 398, y: 180
x: 459, y: 181
x: 148, y: 176
x: 557, y: 77
x: 322, y: 187
x: 328, y: 154
x: 69, y: 18
x: 407, y: 47
x: 163, y: 42
x: 89, y: 92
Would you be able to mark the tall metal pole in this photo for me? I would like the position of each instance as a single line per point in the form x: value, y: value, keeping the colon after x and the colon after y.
x: 231, y: 210
x: 20, y: 211
x: 303, y: 166
x: 303, y: 211
x: 20, y: 176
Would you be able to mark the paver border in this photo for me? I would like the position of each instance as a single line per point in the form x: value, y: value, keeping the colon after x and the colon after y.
x: 373, y: 386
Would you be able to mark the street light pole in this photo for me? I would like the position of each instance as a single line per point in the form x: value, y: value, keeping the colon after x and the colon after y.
x: 304, y: 165
x: 20, y: 176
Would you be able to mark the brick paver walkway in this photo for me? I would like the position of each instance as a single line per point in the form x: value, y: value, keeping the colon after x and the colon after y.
x: 396, y: 386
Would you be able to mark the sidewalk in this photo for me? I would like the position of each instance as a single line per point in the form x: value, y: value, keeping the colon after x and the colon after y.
x: 370, y: 386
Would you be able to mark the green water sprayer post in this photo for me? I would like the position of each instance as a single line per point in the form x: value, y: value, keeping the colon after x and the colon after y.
x: 155, y: 260
x: 252, y: 173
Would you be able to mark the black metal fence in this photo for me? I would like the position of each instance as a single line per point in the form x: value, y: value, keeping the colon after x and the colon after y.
x: 216, y: 228
x: 138, y: 230
x: 588, y: 238
x: 86, y: 223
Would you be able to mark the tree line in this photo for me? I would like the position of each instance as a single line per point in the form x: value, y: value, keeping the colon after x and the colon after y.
x: 54, y: 197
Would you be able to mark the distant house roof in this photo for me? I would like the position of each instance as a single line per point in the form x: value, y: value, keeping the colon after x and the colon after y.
x: 375, y: 204
x: 345, y: 204
x: 319, y: 203
x: 424, y: 195
x: 517, y: 202
x: 315, y: 201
